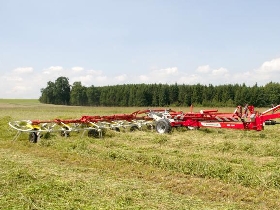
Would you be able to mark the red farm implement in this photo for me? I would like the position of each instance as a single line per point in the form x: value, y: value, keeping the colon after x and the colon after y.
x: 160, y: 120
x: 242, y: 118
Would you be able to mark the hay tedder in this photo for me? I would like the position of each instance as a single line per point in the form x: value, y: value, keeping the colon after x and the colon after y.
x: 160, y: 120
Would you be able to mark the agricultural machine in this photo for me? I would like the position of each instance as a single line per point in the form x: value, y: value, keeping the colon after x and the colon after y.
x: 160, y: 120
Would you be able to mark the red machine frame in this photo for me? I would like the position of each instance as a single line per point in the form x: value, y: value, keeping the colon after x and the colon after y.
x: 245, y: 119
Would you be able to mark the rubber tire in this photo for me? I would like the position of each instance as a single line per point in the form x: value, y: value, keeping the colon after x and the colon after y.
x: 163, y: 126
x: 96, y: 134
x: 133, y: 128
x: 116, y: 129
x: 93, y: 133
x: 65, y: 132
x: 150, y: 127
x: 33, y: 137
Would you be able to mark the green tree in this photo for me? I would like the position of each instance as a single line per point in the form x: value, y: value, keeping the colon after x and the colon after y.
x: 124, y: 95
x: 197, y: 92
x: 62, y: 91
x: 163, y: 95
x: 93, y: 96
x: 132, y: 97
x: 261, y: 99
x: 48, y: 96
x: 272, y: 90
x: 207, y: 95
x: 173, y: 94
x: 103, y: 96
x: 78, y: 95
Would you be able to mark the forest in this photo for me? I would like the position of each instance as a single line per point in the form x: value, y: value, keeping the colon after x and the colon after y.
x: 61, y: 92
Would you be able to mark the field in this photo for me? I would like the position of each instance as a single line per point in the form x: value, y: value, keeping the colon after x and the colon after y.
x: 194, y: 169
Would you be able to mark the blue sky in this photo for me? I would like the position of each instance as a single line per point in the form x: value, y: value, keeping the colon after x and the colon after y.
x: 137, y: 41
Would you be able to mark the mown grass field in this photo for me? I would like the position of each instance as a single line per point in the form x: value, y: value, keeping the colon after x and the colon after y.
x: 195, y: 169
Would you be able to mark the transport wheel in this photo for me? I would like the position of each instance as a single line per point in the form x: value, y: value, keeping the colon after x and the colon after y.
x: 134, y: 128
x: 65, y: 132
x: 150, y: 127
x: 93, y: 133
x: 96, y: 134
x: 116, y: 129
x: 163, y: 126
x: 33, y: 137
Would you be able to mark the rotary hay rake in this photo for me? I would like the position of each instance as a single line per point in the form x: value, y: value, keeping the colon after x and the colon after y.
x: 161, y: 120
x: 95, y: 126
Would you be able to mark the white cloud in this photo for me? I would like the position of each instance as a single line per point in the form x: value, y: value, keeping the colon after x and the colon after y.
x: 220, y: 72
x: 242, y: 76
x: 270, y: 66
x: 93, y: 77
x: 25, y: 82
x: 77, y: 68
x: 55, y: 68
x: 189, y: 79
x: 101, y: 78
x: 121, y: 78
x: 207, y: 75
x: 203, y: 69
x: 95, y: 72
x: 13, y: 78
x: 248, y: 77
x: 267, y: 72
x: 85, y: 80
x: 143, y: 78
x: 23, y: 70
x: 19, y: 89
x: 157, y: 76
x: 165, y: 72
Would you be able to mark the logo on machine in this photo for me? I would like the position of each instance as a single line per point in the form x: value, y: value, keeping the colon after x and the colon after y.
x: 211, y: 124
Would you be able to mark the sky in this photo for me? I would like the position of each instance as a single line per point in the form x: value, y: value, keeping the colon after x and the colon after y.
x: 112, y: 42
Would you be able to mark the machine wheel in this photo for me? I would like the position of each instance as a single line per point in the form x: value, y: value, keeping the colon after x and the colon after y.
x: 150, y: 127
x: 134, y: 128
x: 163, y: 126
x: 93, y: 133
x: 116, y: 129
x: 65, y: 132
x: 33, y: 137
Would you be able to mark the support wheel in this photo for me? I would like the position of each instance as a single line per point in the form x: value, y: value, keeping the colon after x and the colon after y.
x: 65, y: 132
x: 93, y: 133
x: 134, y: 128
x: 116, y: 129
x: 163, y: 126
x: 96, y: 134
x: 150, y: 127
x: 33, y: 137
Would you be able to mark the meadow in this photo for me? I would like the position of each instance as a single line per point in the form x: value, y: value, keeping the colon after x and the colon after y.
x: 187, y: 169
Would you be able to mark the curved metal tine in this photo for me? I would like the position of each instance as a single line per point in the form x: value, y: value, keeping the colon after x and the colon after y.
x: 17, y: 135
x: 100, y: 133
x: 84, y: 130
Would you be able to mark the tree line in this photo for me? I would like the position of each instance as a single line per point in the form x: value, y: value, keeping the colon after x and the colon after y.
x: 153, y: 95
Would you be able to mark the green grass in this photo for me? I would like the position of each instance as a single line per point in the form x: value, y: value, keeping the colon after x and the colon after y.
x: 196, y: 169
x: 19, y: 101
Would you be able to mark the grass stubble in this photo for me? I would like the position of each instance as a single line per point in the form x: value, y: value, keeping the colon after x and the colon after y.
x: 195, y: 169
